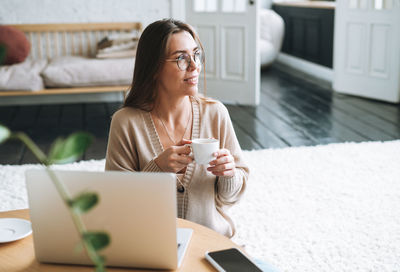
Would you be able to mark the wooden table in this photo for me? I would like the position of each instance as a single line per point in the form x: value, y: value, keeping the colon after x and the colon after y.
x: 19, y: 255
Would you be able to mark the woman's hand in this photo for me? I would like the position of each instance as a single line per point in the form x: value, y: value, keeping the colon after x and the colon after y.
x: 223, y: 165
x: 175, y: 158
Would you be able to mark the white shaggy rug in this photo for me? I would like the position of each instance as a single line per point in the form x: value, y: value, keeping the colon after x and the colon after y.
x: 324, y: 208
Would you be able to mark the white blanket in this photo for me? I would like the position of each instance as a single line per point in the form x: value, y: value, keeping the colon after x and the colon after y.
x: 322, y: 208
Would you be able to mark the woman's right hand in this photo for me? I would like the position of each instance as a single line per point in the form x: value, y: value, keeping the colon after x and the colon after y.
x: 175, y: 157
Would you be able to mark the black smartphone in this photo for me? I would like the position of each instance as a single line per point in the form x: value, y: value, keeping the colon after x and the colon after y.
x: 231, y: 260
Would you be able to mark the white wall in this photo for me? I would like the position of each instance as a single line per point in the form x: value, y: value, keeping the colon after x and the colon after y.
x: 78, y: 11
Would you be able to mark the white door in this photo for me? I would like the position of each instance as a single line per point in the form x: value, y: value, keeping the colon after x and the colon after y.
x: 367, y: 49
x: 229, y: 31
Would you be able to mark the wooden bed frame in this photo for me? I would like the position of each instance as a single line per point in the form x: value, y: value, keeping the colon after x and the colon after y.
x: 79, y: 39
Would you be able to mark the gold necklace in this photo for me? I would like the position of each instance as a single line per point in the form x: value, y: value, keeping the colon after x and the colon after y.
x: 166, y: 129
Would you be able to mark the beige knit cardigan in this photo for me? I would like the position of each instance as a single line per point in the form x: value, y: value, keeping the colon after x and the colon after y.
x: 134, y: 144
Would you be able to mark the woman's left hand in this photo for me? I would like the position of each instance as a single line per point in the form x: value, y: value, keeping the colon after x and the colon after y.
x: 223, y: 165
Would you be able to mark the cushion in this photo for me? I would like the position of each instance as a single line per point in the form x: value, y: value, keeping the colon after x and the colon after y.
x: 130, y: 53
x: 122, y: 45
x: 271, y: 35
x: 73, y: 71
x: 24, y: 76
x: 267, y: 52
x: 16, y: 44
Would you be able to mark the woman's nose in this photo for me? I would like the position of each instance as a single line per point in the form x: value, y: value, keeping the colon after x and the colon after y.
x: 193, y: 65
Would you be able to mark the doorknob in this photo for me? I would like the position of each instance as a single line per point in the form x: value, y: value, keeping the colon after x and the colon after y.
x: 251, y: 2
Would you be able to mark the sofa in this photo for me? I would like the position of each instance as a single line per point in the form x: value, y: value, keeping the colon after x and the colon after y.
x: 62, y: 60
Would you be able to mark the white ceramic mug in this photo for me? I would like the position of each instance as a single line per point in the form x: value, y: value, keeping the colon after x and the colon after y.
x: 203, y: 149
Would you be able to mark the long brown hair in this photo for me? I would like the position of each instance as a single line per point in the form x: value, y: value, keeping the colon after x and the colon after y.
x: 151, y: 52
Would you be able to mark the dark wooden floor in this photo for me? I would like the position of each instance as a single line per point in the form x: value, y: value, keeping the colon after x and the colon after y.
x: 293, y: 112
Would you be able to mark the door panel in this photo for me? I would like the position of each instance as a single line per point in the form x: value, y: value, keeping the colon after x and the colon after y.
x: 232, y: 58
x: 379, y: 50
x: 208, y: 36
x: 228, y: 30
x: 356, y: 33
x: 366, y: 49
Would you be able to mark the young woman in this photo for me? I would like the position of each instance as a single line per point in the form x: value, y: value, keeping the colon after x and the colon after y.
x: 162, y: 111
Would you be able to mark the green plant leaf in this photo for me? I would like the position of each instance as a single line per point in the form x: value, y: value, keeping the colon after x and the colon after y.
x: 4, y: 133
x: 56, y: 147
x: 98, y: 239
x: 70, y: 149
x: 84, y: 202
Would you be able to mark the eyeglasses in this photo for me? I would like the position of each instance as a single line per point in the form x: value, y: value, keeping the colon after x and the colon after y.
x: 184, y: 60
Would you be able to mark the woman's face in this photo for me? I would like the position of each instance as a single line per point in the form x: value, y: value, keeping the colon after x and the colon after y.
x: 171, y: 79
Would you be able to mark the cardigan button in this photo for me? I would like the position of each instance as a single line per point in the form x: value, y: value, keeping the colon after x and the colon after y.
x: 181, y: 189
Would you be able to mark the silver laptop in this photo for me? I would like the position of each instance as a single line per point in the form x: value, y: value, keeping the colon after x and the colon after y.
x: 138, y: 210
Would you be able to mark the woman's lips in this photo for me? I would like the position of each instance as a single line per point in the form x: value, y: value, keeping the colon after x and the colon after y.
x: 192, y: 80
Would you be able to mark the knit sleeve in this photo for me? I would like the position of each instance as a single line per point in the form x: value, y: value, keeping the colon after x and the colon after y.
x: 121, y: 149
x: 152, y: 167
x: 230, y: 189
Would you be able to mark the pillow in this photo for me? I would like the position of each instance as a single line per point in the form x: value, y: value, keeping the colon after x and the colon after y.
x: 121, y: 45
x: 24, y: 76
x: 73, y: 71
x: 16, y: 44
x: 130, y: 53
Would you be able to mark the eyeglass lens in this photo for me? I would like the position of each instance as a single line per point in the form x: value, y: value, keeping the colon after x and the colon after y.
x: 184, y: 60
